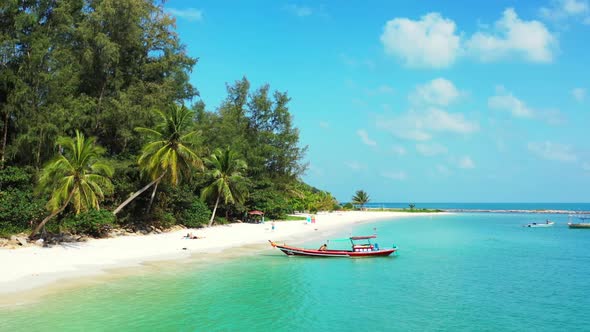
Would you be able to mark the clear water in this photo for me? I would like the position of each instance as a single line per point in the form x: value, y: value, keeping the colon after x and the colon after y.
x: 573, y: 207
x: 464, y: 272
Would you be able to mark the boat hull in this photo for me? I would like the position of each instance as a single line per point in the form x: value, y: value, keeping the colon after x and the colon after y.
x: 295, y: 251
x: 540, y: 225
x: 581, y: 225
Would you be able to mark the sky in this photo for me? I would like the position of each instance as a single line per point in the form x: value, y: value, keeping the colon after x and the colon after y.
x: 414, y: 101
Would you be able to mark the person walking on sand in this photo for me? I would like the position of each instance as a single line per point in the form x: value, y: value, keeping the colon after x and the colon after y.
x: 273, y: 226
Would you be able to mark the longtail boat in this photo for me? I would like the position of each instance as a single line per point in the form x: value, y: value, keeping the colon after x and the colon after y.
x: 361, y: 246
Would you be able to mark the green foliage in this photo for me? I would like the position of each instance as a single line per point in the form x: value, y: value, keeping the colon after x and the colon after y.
x: 18, y: 205
x: 289, y: 218
x: 227, y: 182
x: 96, y: 223
x: 78, y: 175
x: 105, y: 68
x: 171, y: 146
x: 412, y: 206
x: 196, y: 215
x: 274, y: 203
x: 360, y: 198
x: 308, y: 198
x: 11, y: 177
x: 163, y: 219
x: 348, y: 206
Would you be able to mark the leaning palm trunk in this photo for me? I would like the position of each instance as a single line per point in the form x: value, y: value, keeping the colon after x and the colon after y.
x: 214, y: 210
x: 137, y: 193
x: 53, y: 214
x: 153, y: 195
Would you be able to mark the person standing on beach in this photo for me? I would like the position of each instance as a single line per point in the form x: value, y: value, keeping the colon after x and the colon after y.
x: 273, y: 226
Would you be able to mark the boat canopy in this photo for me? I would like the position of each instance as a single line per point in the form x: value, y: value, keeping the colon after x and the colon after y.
x: 363, y: 237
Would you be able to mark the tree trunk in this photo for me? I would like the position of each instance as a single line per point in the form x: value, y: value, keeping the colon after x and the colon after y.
x: 97, y: 113
x: 137, y: 193
x: 153, y: 195
x: 214, y: 210
x: 53, y: 214
x: 5, y: 138
x: 38, y: 154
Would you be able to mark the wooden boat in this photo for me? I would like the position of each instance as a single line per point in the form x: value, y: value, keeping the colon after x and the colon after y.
x: 582, y: 224
x: 545, y: 224
x: 361, y: 246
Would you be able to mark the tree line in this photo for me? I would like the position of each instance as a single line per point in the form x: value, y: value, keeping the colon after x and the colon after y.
x: 99, y: 120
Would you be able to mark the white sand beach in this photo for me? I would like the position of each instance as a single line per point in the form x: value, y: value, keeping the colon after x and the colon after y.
x: 32, y: 267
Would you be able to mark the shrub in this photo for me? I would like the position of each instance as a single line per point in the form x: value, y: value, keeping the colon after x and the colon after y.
x: 18, y: 205
x: 96, y: 223
x: 162, y: 219
x: 196, y: 215
x: 348, y: 206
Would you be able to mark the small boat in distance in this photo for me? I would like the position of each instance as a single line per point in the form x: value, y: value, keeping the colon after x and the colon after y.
x: 547, y: 223
x: 583, y: 224
x: 361, y: 246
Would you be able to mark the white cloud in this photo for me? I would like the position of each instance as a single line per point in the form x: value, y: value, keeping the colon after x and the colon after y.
x: 439, y: 120
x: 579, y: 94
x: 511, y: 37
x: 466, y: 163
x: 438, y: 92
x: 355, y: 165
x: 552, y: 151
x: 365, y: 137
x: 420, y: 126
x: 443, y: 170
x: 505, y: 101
x: 398, y: 150
x: 324, y: 124
x: 300, y: 11
x: 428, y: 42
x: 565, y: 9
x: 431, y: 150
x: 395, y: 175
x: 190, y: 14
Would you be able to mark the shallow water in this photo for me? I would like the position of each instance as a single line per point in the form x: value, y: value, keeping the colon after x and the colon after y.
x: 466, y: 272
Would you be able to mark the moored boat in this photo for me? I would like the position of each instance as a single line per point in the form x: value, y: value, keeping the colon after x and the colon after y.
x: 582, y: 224
x: 548, y: 223
x: 361, y: 246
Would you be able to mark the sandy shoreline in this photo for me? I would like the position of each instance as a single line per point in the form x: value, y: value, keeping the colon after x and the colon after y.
x: 33, y: 267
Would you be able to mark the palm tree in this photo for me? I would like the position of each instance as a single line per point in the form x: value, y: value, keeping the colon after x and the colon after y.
x: 170, y: 154
x: 76, y: 176
x: 227, y: 180
x: 360, y: 198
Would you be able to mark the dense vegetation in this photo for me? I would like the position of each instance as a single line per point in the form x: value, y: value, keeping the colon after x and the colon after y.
x: 96, y: 105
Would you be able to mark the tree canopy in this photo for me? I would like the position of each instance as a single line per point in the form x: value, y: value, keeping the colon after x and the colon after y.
x: 115, y: 74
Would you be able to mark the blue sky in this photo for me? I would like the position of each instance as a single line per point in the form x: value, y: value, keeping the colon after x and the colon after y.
x: 419, y: 101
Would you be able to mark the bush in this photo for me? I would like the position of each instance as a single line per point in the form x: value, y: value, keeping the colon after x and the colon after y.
x: 163, y: 219
x: 18, y: 205
x: 15, y: 177
x: 96, y: 223
x: 348, y: 206
x: 196, y: 215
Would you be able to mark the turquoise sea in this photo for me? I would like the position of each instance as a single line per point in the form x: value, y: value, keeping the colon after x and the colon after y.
x: 461, y: 272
